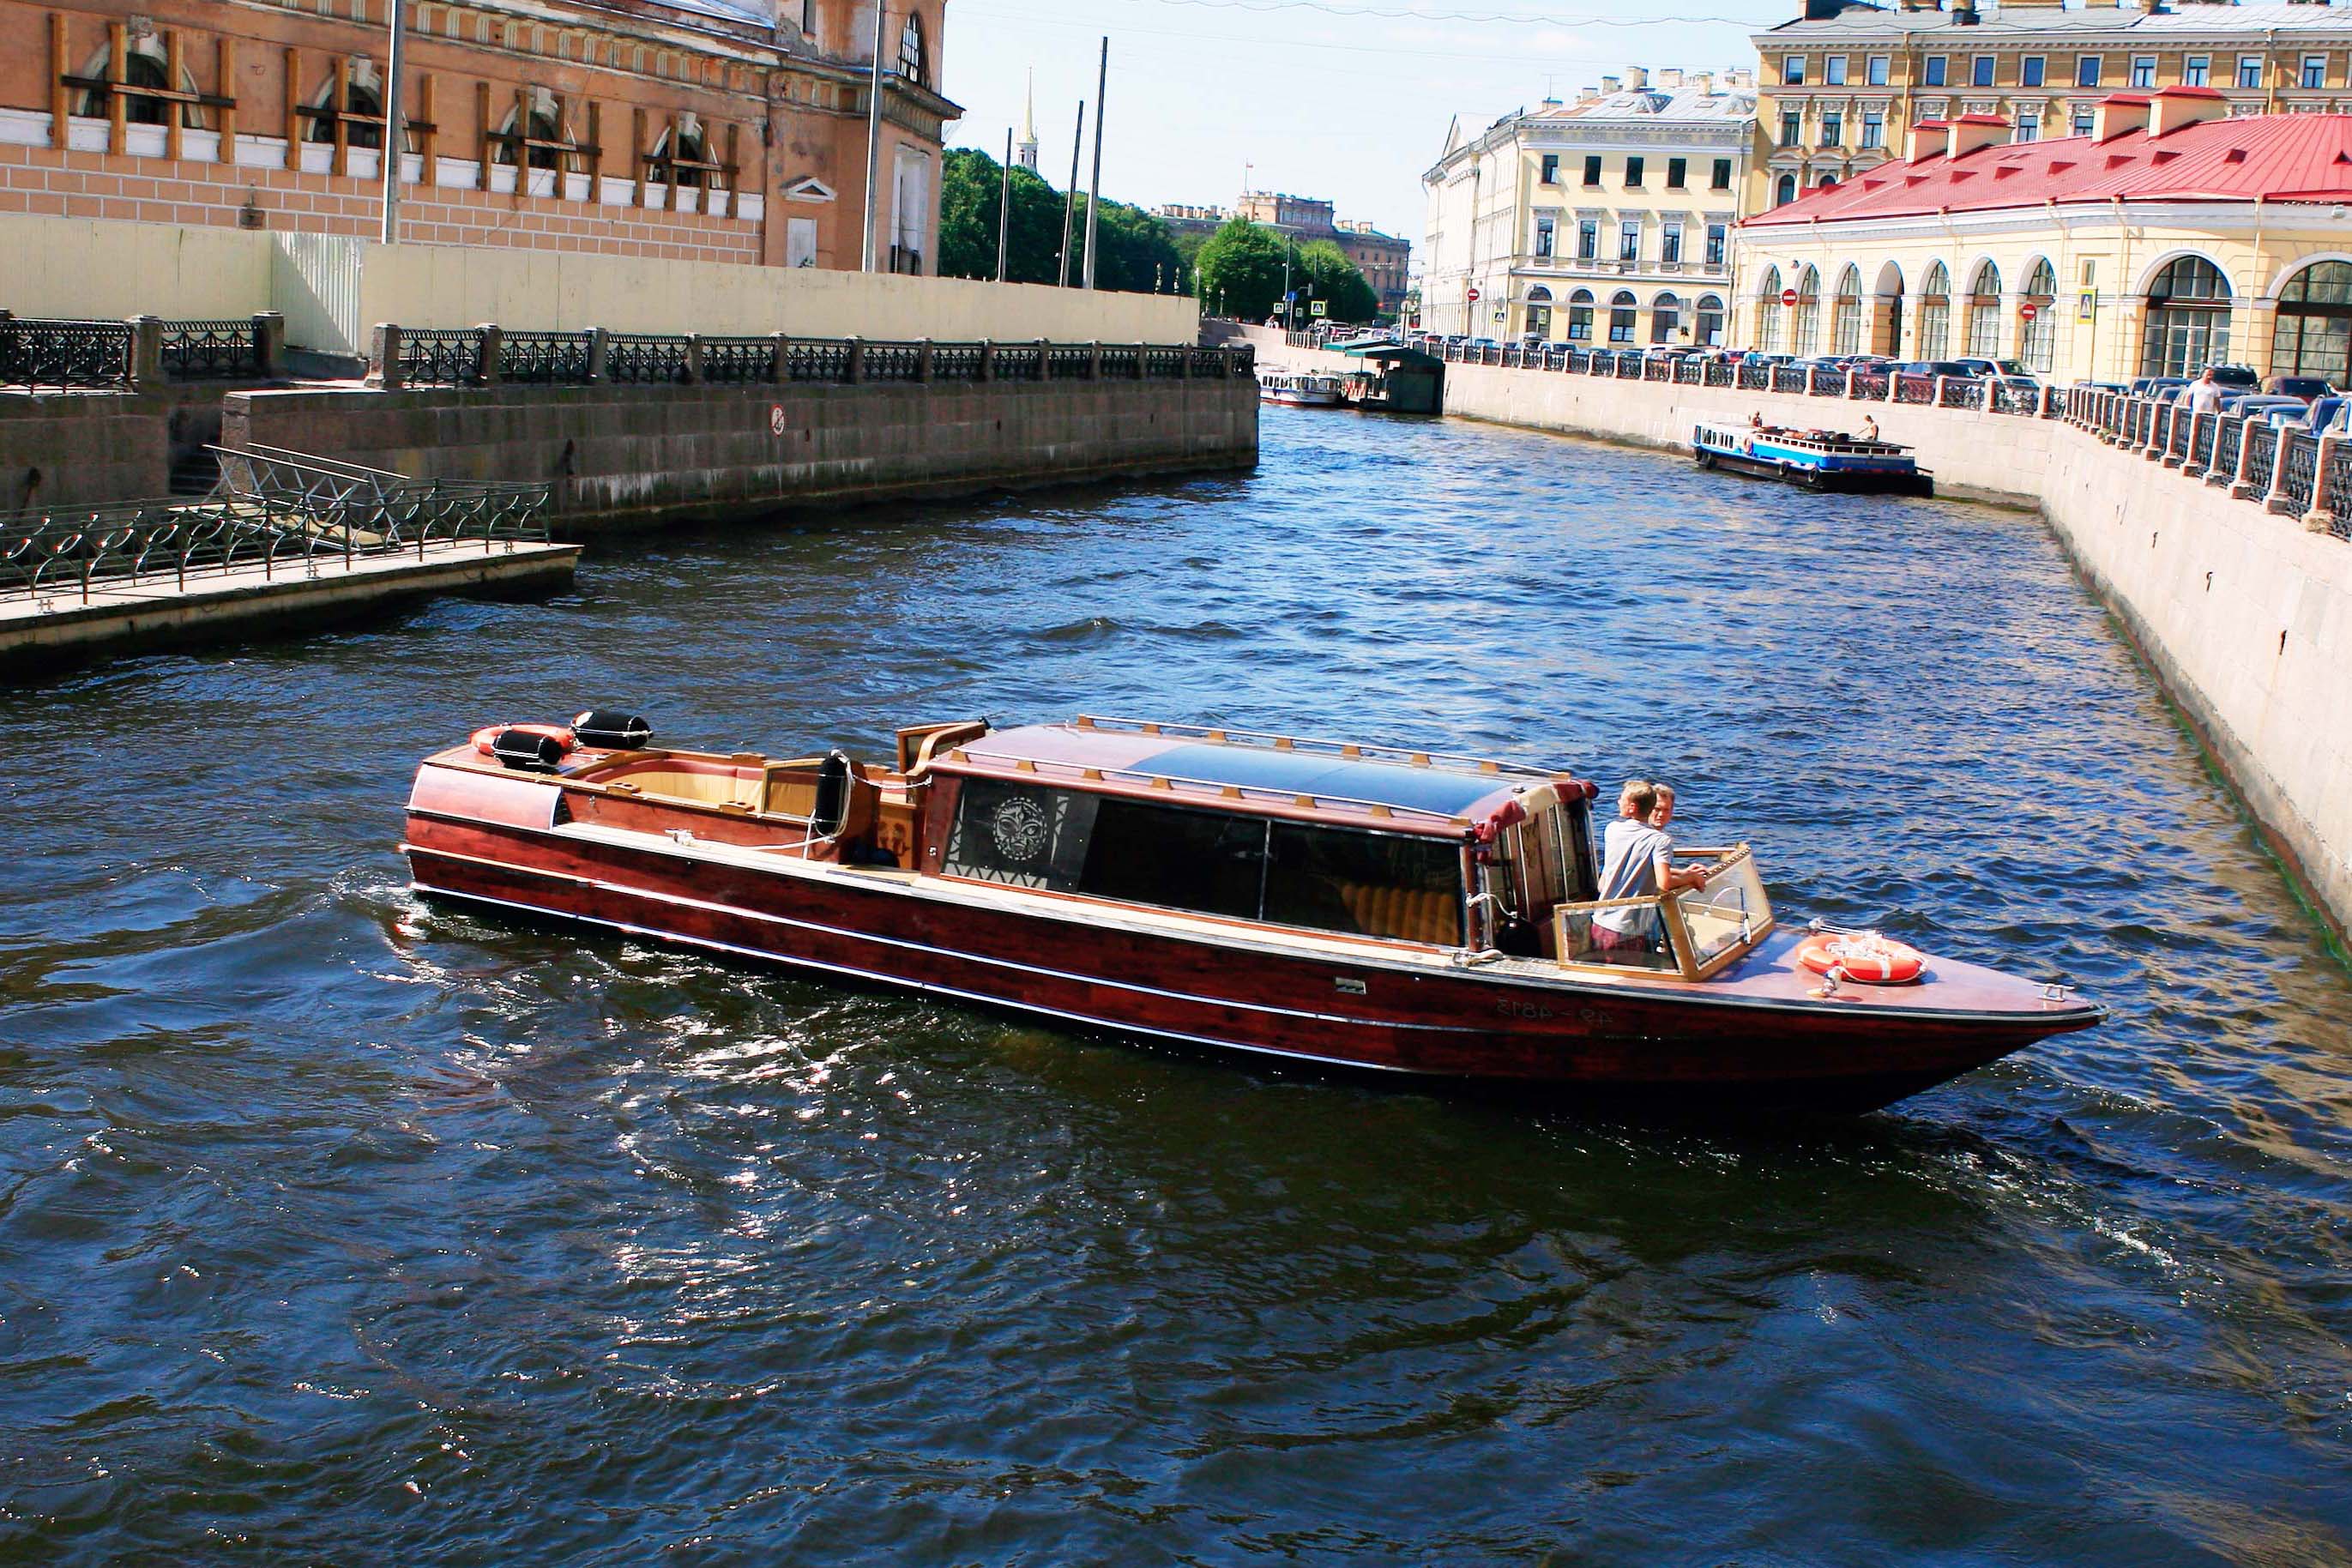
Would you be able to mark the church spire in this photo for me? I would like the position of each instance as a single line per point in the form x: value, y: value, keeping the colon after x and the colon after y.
x: 1029, y: 127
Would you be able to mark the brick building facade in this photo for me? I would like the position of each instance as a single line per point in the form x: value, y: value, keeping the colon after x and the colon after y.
x: 704, y: 130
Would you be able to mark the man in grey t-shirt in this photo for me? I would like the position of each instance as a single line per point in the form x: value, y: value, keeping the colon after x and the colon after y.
x: 1637, y: 862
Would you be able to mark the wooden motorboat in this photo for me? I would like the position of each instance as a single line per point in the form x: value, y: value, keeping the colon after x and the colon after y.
x: 1352, y: 905
x: 1817, y: 459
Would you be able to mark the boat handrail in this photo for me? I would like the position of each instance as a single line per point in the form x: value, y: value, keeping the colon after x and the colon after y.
x: 1354, y: 750
x: 1093, y: 772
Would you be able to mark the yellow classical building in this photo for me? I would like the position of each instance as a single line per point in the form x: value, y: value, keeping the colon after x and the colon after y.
x: 2168, y: 237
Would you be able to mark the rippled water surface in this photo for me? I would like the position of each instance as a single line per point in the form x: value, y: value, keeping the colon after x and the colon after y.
x: 333, y: 1227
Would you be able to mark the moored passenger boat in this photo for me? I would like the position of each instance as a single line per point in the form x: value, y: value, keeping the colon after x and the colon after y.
x: 1818, y: 459
x: 1300, y: 391
x: 1343, y: 904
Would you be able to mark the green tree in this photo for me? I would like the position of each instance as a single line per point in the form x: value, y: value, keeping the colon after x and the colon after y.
x: 1338, y: 282
x: 1133, y: 251
x: 1239, y: 270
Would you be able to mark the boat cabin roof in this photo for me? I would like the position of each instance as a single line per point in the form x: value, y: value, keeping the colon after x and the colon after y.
x: 1363, y: 786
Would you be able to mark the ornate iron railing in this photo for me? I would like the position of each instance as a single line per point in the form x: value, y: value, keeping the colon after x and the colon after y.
x: 2200, y: 440
x: 2262, y: 463
x: 2229, y: 444
x: 65, y: 354
x: 817, y: 359
x: 2302, y: 471
x: 2339, y: 489
x: 644, y: 359
x: 1123, y: 364
x: 1788, y: 378
x: 274, y: 510
x: 1869, y: 384
x: 2008, y: 398
x: 955, y: 362
x: 544, y: 359
x: 1070, y: 361
x: 441, y: 357
x: 894, y: 362
x: 1018, y: 361
x: 738, y: 361
x: 211, y: 351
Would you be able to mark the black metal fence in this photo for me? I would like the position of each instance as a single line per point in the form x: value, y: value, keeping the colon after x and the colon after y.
x: 38, y: 354
x: 477, y: 357
x: 2287, y: 468
x: 274, y: 512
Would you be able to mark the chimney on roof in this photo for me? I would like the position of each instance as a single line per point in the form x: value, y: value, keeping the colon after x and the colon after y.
x: 1704, y: 81
x: 1670, y: 78
x: 2120, y: 112
x: 1923, y: 4
x: 1609, y: 84
x: 1637, y: 78
x: 2177, y: 106
x: 1585, y: 95
x: 1972, y: 133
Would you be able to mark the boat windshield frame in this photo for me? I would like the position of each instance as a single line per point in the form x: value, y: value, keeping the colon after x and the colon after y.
x: 1702, y: 938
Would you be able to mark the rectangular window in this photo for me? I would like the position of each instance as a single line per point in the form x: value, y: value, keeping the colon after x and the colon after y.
x: 2250, y: 70
x: 1874, y: 127
x: 2086, y: 121
x: 2197, y: 71
x: 1832, y: 128
x: 1722, y: 180
x: 1543, y: 236
x: 1933, y: 75
x: 1677, y: 171
x: 2030, y: 70
x: 1588, y: 239
x: 1629, y: 240
x: 1551, y: 176
x: 2143, y: 70
x: 1833, y: 71
x: 1670, y: 243
x: 1592, y: 170
x: 2029, y: 127
x: 1793, y: 128
x: 1718, y: 236
x: 1633, y: 174
x: 1370, y: 884
x: 2086, y: 70
x: 2314, y: 72
x: 1206, y: 861
x: 1792, y: 70
x: 1874, y: 69
x: 1980, y: 71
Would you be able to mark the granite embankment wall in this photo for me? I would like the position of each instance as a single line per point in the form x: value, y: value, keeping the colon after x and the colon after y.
x: 626, y: 455
x: 2245, y: 616
x: 82, y: 449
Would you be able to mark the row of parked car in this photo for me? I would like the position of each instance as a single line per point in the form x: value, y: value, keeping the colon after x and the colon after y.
x: 2300, y: 400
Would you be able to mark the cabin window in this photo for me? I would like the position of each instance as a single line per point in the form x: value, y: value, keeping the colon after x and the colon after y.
x: 1208, y: 862
x: 1392, y: 885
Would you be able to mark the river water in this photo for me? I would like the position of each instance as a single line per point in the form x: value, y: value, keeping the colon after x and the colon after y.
x: 335, y: 1227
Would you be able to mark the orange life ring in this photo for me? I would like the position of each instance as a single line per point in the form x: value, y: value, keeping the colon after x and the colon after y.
x: 1865, y: 956
x: 485, y: 739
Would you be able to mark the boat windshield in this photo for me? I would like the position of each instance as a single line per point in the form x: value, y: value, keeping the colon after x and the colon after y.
x: 1696, y: 932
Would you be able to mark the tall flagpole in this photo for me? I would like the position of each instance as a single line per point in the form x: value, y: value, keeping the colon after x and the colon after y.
x: 1094, y: 186
x: 395, y: 122
x: 1070, y: 202
x: 873, y: 136
x: 1005, y: 206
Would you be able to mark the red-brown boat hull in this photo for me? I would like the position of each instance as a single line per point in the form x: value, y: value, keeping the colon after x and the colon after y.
x: 1441, y: 1022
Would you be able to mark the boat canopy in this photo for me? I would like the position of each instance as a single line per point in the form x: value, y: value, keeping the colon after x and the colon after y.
x: 1333, y: 780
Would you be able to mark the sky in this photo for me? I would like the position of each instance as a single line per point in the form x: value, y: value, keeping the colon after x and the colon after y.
x: 1343, y: 98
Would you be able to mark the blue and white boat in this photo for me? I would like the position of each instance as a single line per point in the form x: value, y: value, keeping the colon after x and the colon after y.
x: 1817, y: 459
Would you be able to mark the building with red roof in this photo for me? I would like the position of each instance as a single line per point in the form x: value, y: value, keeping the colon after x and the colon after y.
x: 2172, y: 234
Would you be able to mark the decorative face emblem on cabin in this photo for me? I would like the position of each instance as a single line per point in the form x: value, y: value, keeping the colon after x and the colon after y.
x: 1018, y: 827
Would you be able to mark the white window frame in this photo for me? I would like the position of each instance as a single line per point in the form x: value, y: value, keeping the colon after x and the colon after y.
x: 1833, y: 71
x: 2142, y: 66
x: 1875, y: 69
x: 2250, y: 66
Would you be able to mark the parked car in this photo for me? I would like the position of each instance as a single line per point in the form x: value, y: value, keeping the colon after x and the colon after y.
x: 2263, y: 405
x: 2236, y: 375
x: 2156, y: 386
x: 2310, y: 388
x: 1958, y: 369
x: 1997, y: 367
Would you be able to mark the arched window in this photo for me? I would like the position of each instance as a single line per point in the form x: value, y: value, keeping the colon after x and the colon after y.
x: 1620, y: 317
x: 1580, y: 316
x: 1805, y: 332
x: 1935, y: 313
x: 910, y: 48
x: 2315, y: 324
x: 545, y: 123
x: 1886, y: 313
x: 1540, y: 311
x: 1784, y: 190
x: 1769, y: 310
x: 366, y: 97
x: 692, y: 148
x: 2188, y: 319
x: 1665, y: 317
x: 2037, y: 340
x: 1846, y: 317
x: 143, y: 65
x: 1710, y: 321
x: 1984, y: 313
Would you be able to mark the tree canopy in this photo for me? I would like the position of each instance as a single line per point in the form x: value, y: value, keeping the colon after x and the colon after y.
x: 1133, y: 252
x: 1239, y: 273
